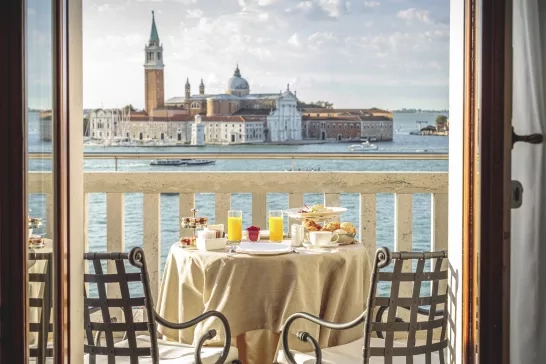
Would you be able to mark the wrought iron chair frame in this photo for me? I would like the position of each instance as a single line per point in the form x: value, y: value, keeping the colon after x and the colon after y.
x: 136, y: 258
x: 383, y: 258
x: 41, y: 352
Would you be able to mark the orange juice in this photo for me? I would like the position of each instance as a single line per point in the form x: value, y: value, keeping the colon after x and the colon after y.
x: 235, y: 228
x: 276, y: 228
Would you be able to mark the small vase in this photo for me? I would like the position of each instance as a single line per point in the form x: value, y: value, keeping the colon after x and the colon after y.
x: 253, y: 233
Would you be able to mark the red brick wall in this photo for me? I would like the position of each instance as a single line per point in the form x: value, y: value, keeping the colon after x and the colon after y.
x: 334, y: 128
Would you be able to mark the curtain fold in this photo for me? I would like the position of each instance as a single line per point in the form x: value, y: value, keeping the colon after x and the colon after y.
x: 528, y: 257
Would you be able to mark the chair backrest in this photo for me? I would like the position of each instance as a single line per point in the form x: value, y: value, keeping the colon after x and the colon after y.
x: 121, y: 278
x: 408, y: 273
x: 43, y: 304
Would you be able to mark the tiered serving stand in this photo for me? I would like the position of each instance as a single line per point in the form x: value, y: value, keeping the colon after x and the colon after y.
x: 194, y: 223
x: 323, y: 217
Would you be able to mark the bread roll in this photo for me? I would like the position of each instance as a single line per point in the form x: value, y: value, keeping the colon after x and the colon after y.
x: 348, y: 227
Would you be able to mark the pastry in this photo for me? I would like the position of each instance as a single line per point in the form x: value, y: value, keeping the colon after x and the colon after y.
x: 331, y: 226
x: 310, y: 225
x: 348, y: 227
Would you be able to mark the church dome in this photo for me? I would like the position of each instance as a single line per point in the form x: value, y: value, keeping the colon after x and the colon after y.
x: 237, y: 83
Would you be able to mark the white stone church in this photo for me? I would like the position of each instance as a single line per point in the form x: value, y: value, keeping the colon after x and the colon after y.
x: 233, y: 117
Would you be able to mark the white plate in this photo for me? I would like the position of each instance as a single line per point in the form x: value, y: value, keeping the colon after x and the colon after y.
x: 311, y: 246
x: 264, y: 235
x: 331, y: 211
x: 263, y: 248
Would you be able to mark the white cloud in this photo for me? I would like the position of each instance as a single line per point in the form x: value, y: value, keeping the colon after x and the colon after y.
x: 116, y: 41
x: 320, y: 39
x: 334, y: 8
x: 413, y: 14
x: 327, y: 49
x: 320, y: 9
x: 294, y: 40
x: 371, y: 4
x: 194, y: 13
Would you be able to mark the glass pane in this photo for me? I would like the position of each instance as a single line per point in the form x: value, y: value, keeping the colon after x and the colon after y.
x: 39, y: 94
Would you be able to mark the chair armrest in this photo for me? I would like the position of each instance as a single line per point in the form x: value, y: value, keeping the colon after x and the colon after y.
x: 306, y: 337
x: 207, y: 336
x: 420, y: 311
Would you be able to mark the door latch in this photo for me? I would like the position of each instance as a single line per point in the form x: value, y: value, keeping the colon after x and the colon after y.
x: 533, y: 138
x: 517, y: 195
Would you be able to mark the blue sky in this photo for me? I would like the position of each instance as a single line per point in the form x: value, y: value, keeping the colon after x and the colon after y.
x: 355, y: 53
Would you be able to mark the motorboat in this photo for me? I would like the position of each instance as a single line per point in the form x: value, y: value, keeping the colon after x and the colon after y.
x: 181, y: 162
x: 365, y: 146
x: 199, y: 162
x: 168, y: 162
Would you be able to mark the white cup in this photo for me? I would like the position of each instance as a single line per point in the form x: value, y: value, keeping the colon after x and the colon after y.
x: 318, y: 238
x: 297, y: 233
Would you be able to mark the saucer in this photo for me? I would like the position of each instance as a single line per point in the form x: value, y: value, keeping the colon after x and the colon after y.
x: 308, y: 245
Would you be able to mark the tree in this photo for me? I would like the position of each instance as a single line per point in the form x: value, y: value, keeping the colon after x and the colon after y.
x: 129, y: 107
x: 442, y: 123
x: 325, y: 104
x: 441, y: 120
x: 317, y: 104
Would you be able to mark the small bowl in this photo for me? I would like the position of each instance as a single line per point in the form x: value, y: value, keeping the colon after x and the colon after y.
x: 345, y: 239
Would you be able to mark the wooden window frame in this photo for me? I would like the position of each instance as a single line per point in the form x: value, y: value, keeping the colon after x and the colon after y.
x: 495, y: 94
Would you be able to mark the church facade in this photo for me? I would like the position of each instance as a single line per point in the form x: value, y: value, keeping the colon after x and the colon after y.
x: 277, y: 112
x: 232, y: 117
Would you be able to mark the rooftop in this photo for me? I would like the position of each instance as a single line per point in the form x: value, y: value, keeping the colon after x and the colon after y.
x: 250, y: 111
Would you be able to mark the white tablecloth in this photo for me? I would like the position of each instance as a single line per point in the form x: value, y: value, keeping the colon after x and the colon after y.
x: 261, y: 292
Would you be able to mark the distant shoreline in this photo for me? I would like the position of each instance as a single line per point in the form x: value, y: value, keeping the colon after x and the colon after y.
x: 287, y: 143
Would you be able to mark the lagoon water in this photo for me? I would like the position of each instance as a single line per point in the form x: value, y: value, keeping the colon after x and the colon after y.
x: 403, y: 142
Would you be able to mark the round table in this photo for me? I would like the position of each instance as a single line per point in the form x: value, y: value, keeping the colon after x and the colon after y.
x: 258, y: 293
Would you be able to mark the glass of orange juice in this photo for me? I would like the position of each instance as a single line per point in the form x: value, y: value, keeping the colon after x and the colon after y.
x: 235, y: 226
x: 276, y: 225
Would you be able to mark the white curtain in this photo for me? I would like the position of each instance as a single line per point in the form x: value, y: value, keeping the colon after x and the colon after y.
x: 528, y: 274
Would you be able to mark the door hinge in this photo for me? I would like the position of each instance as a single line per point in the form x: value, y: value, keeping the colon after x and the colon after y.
x: 516, y: 195
x: 533, y: 138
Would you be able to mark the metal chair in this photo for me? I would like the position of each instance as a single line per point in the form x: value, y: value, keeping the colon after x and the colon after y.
x: 145, y: 348
x: 385, y: 348
x: 43, y: 303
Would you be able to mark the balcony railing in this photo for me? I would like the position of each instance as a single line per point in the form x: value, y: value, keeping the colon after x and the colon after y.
x: 223, y: 184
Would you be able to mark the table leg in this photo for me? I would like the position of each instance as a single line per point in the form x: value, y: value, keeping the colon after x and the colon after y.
x: 241, y: 347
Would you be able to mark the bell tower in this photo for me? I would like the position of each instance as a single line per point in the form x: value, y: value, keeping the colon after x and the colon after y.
x: 187, y: 89
x: 154, y: 87
x: 201, y: 88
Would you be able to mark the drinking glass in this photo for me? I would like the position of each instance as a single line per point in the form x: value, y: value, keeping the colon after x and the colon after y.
x: 235, y: 226
x: 276, y: 224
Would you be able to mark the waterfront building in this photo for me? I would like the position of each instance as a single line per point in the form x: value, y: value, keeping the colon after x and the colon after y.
x: 233, y: 117
x: 347, y: 124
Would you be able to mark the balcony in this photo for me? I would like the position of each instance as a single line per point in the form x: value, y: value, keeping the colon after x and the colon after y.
x: 359, y: 191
